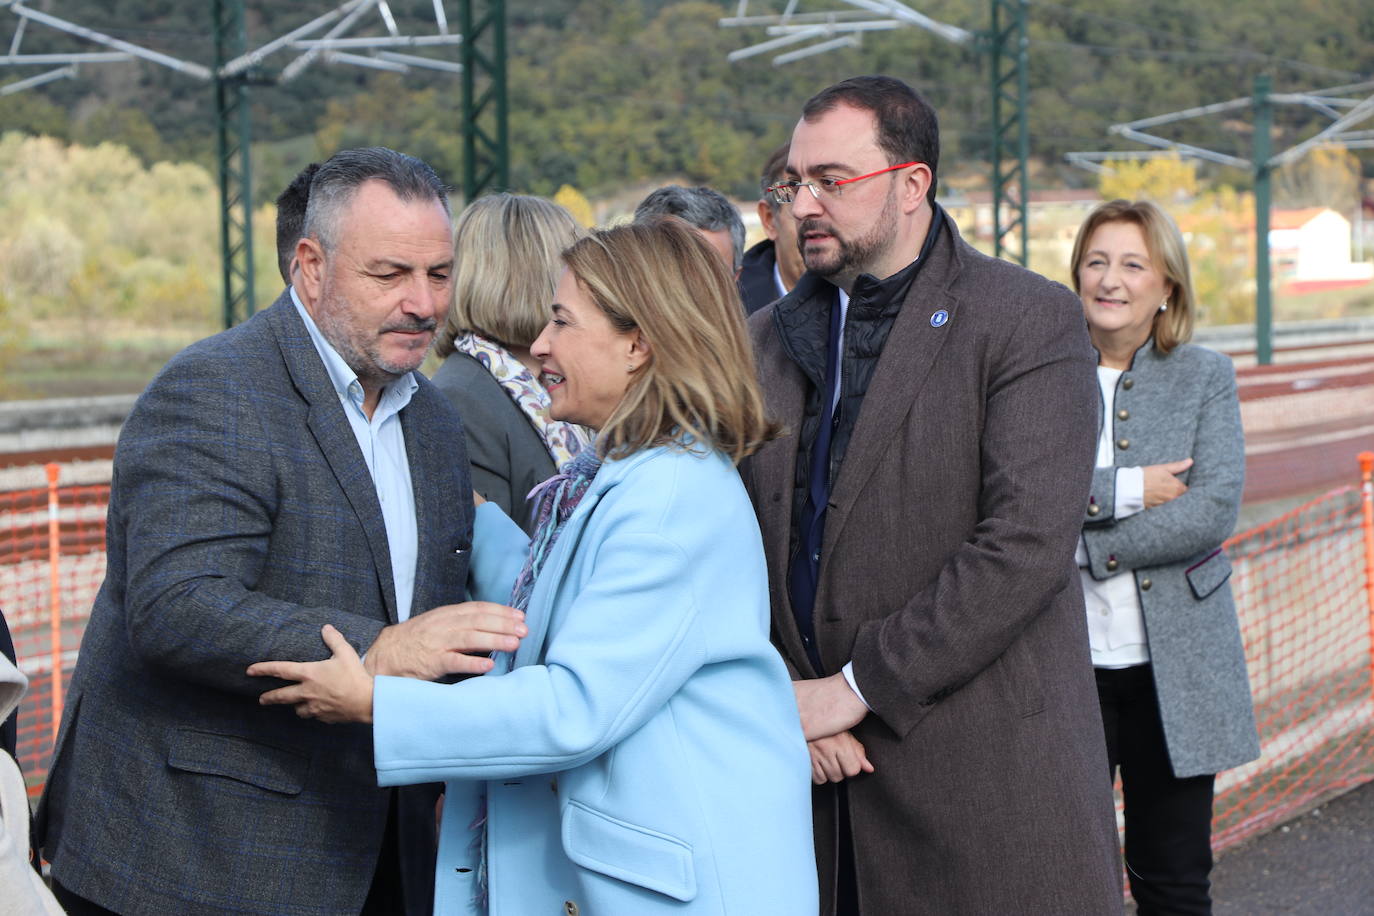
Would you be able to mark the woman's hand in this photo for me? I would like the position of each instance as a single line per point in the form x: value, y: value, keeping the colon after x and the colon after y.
x: 1160, y: 483
x: 337, y: 689
x: 837, y: 758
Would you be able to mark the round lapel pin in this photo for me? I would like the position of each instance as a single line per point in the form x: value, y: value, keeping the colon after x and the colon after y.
x: 939, y: 319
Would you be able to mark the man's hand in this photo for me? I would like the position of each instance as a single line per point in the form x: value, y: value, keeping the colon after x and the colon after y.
x: 828, y: 706
x: 837, y: 758
x: 334, y: 690
x: 444, y: 640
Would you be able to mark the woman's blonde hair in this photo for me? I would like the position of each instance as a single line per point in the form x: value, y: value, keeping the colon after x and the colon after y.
x: 1167, y: 252
x: 663, y: 279
x: 506, y: 267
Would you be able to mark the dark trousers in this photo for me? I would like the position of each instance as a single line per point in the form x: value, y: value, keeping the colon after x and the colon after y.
x: 78, y: 906
x: 1168, y: 820
x: 847, y: 881
x: 384, y: 898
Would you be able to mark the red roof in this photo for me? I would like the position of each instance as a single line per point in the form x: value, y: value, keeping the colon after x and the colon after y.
x: 1294, y: 219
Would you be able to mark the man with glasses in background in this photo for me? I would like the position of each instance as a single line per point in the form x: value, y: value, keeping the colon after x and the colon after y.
x: 920, y: 520
x: 772, y: 267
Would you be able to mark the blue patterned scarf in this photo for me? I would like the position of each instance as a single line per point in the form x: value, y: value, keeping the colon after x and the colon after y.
x: 555, y: 499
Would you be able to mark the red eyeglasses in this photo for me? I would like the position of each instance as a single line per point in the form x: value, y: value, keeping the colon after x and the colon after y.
x: 786, y: 192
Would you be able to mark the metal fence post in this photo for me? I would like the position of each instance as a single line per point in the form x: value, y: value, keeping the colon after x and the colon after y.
x: 1367, y: 503
x: 55, y: 603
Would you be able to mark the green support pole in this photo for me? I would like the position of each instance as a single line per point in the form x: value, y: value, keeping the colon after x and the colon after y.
x: 235, y: 167
x: 1010, y: 72
x: 486, y: 133
x: 1264, y: 308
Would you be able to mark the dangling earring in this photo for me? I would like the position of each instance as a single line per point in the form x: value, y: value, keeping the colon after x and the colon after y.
x: 1164, y: 306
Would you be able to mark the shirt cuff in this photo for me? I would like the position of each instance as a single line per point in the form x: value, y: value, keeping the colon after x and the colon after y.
x: 848, y: 672
x: 1130, y: 491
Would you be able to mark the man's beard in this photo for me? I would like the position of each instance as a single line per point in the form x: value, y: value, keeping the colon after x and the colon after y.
x: 366, y: 360
x: 853, y: 256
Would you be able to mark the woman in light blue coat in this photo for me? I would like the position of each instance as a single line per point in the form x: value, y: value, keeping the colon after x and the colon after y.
x: 640, y: 752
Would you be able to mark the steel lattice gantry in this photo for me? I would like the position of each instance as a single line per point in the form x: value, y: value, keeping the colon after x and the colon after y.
x: 1005, y: 43
x: 324, y: 38
x: 1348, y: 107
x: 1010, y: 71
x: 486, y: 126
x: 233, y: 134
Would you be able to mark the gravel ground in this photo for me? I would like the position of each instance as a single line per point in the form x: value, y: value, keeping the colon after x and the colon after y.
x: 1321, y: 863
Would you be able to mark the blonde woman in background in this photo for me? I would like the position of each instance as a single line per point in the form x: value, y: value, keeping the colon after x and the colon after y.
x: 1166, y: 644
x: 506, y: 268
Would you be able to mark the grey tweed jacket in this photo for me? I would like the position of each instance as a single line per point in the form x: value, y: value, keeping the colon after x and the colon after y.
x: 1170, y: 407
x: 242, y: 518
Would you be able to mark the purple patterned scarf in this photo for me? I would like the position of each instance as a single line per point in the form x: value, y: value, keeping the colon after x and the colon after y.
x: 556, y: 498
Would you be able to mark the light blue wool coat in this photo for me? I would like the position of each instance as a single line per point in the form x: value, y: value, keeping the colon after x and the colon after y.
x: 643, y: 753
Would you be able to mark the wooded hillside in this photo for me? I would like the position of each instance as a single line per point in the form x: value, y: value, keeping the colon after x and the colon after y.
x: 610, y: 92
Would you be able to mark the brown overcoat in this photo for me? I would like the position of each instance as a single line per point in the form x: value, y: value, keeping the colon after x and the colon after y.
x: 947, y: 577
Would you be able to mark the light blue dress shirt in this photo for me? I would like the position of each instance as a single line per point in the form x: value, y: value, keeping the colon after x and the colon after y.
x: 383, y: 446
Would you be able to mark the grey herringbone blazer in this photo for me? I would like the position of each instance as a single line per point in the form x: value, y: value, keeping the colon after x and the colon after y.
x: 1170, y: 407
x: 242, y: 518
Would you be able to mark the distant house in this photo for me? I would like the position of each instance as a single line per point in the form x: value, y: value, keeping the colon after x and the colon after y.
x: 1310, y: 249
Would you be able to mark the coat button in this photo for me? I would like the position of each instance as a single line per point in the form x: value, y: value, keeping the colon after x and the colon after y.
x: 1094, y: 509
x: 1145, y: 585
x: 570, y: 908
x: 1123, y: 414
x: 1123, y: 444
x: 1112, y: 564
x: 1128, y: 383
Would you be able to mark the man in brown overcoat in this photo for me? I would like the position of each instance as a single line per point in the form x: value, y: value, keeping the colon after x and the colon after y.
x: 920, y: 517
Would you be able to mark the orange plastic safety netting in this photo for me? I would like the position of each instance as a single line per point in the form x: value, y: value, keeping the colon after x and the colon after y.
x: 52, y: 560
x: 1299, y: 583
x: 1300, y: 588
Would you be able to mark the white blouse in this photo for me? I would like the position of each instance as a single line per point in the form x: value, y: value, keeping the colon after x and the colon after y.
x: 1116, y: 626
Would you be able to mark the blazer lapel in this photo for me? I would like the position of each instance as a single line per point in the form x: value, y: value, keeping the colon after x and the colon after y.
x: 903, y: 369
x: 330, y: 427
x: 424, y: 459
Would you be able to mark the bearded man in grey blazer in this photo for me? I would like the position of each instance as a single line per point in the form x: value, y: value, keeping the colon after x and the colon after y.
x: 292, y: 472
x: 919, y: 520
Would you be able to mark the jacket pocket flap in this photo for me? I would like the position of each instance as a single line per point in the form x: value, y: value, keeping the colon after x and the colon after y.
x: 1206, y: 575
x: 266, y: 766
x: 621, y: 850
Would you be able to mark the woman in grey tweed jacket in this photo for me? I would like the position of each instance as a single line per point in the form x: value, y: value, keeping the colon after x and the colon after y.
x: 1166, y: 644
